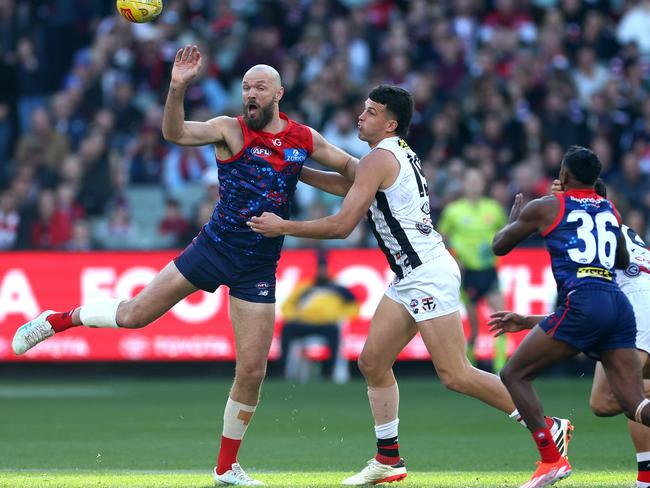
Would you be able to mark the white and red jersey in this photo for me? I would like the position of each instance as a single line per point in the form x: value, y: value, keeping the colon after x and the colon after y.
x: 637, y: 275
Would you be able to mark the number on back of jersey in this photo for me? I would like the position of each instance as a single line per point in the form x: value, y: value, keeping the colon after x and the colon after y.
x: 595, y: 238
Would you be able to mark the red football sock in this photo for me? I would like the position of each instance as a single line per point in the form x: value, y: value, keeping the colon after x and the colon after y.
x: 387, y: 451
x: 227, y: 454
x: 61, y: 321
x: 643, y: 461
x: 545, y: 445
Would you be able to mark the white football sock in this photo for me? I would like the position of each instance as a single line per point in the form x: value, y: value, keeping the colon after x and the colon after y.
x: 236, y: 418
x: 515, y: 415
x: 642, y: 456
x: 100, y: 314
x: 387, y: 431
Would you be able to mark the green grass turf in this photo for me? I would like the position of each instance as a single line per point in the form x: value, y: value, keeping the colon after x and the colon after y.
x: 123, y: 433
x: 446, y: 479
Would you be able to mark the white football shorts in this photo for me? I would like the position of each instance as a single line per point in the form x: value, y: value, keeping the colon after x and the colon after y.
x: 431, y: 290
x: 640, y: 300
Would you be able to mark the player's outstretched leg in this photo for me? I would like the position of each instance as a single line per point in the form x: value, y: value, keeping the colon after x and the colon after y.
x: 444, y: 339
x: 164, y: 291
x: 101, y: 314
x: 33, y: 332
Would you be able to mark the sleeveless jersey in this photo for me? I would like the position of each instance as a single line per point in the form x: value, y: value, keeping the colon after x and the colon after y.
x: 400, y: 215
x: 637, y: 275
x: 582, y: 241
x: 262, y: 177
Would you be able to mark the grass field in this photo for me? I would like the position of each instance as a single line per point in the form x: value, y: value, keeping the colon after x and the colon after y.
x: 164, y: 433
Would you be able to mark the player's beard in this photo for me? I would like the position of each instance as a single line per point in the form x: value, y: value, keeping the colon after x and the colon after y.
x: 263, y: 118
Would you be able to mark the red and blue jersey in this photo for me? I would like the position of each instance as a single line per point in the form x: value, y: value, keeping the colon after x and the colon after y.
x: 582, y: 240
x: 262, y: 177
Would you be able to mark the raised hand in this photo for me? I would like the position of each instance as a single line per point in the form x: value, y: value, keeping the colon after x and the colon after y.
x: 516, y: 208
x: 187, y: 65
x: 557, y: 187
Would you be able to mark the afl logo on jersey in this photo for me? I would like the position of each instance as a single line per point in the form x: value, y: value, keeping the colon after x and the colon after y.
x: 632, y: 270
x: 262, y: 152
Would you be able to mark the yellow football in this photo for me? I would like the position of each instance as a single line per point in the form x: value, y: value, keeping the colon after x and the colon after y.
x: 139, y: 10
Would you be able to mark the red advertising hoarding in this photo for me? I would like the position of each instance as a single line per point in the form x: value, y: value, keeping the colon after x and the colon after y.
x: 198, y: 328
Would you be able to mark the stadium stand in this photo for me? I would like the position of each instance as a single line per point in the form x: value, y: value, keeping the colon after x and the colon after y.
x: 498, y: 84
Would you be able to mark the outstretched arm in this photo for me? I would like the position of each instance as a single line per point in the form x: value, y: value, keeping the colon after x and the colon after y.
x: 523, y: 222
x: 334, y: 158
x: 372, y: 171
x: 328, y: 181
x: 175, y: 128
x: 503, y: 321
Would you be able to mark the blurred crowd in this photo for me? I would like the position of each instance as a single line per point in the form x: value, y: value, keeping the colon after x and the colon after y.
x: 502, y: 85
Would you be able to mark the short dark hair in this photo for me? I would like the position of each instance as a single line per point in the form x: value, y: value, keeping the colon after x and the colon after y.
x: 398, y: 101
x: 601, y: 188
x: 583, y: 164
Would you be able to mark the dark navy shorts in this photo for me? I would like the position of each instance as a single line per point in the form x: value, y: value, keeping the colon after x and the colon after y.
x: 593, y: 318
x: 208, y: 264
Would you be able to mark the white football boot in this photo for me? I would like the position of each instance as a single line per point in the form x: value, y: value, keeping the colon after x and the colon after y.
x: 235, y: 476
x: 562, y: 435
x: 32, y: 333
x: 375, y: 473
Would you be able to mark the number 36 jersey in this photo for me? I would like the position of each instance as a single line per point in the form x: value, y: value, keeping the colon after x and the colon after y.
x: 582, y: 240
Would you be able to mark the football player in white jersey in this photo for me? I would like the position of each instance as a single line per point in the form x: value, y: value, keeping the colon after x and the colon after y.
x: 635, y: 283
x: 389, y: 187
